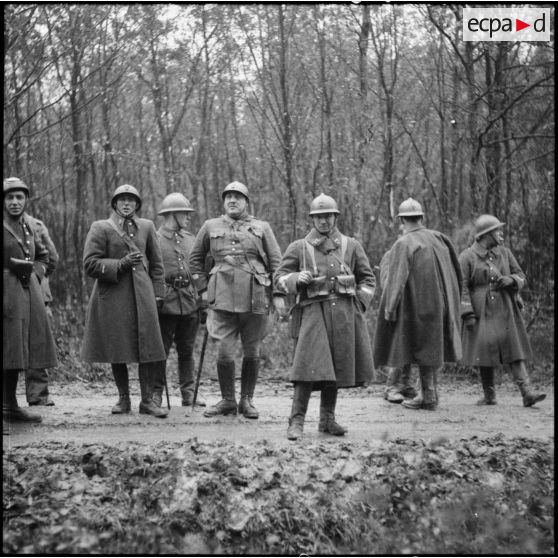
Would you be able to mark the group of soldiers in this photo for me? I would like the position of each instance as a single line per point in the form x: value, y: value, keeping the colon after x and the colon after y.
x: 154, y: 288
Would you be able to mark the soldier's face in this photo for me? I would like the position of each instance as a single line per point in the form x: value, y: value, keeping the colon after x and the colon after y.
x: 324, y: 223
x: 14, y: 203
x: 498, y: 237
x: 126, y: 205
x: 235, y: 204
x: 182, y: 218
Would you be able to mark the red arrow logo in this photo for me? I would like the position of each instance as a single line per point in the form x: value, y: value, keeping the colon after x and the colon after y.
x: 519, y: 25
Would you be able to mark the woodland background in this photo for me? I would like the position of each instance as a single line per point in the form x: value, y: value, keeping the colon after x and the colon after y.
x: 368, y: 103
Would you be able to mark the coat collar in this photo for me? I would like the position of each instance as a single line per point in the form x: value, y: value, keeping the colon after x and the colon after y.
x: 413, y: 229
x: 325, y: 243
x: 483, y: 252
x: 120, y: 220
x: 170, y: 233
x: 243, y: 219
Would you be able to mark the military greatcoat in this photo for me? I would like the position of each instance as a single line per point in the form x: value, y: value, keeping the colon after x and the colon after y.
x: 333, y: 344
x: 498, y: 336
x: 419, y: 318
x: 27, y: 338
x: 122, y: 325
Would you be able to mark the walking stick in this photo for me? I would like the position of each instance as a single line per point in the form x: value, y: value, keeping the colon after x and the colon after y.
x: 167, y: 391
x: 200, y: 365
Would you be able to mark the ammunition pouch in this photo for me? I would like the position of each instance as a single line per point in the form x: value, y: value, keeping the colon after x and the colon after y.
x: 261, y: 294
x: 345, y: 285
x: 179, y: 283
x: 317, y: 287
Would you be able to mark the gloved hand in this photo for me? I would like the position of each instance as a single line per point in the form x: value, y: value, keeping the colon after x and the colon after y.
x: 22, y: 268
x: 470, y: 321
x: 279, y: 305
x: 129, y: 261
x: 505, y: 282
x: 203, y: 314
x: 160, y: 302
x: 304, y: 278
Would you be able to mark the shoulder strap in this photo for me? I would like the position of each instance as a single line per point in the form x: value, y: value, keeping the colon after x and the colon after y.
x: 129, y: 242
x: 312, y: 256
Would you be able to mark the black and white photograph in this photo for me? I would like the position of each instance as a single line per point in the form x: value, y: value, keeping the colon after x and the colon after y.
x: 278, y: 278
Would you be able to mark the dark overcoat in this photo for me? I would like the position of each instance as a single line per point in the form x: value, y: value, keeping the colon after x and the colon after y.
x: 122, y: 324
x: 498, y: 336
x: 27, y: 338
x: 333, y: 344
x: 419, y: 318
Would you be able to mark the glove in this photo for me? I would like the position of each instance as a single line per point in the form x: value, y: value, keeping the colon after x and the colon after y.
x: 304, y: 278
x: 129, y: 261
x: 470, y: 321
x: 203, y: 315
x: 505, y: 282
x: 160, y: 302
x: 22, y: 268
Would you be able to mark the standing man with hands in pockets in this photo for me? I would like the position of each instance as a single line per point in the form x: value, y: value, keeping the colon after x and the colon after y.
x: 122, y: 254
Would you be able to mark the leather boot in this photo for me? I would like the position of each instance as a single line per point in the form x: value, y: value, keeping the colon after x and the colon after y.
x: 521, y: 377
x: 120, y: 373
x: 147, y: 372
x: 428, y: 396
x: 487, y: 380
x: 158, y: 380
x: 392, y: 389
x: 11, y: 411
x: 407, y: 390
x: 302, y: 393
x: 187, y: 382
x: 36, y: 387
x: 227, y: 405
x: 248, y: 379
x: 327, y: 424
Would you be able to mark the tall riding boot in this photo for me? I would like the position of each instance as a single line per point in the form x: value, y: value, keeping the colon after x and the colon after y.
x: 147, y: 372
x: 120, y: 373
x: 158, y: 380
x: 328, y: 400
x: 487, y: 380
x: 392, y: 389
x: 11, y: 411
x: 428, y: 398
x: 250, y: 366
x: 302, y: 393
x: 521, y: 377
x: 407, y: 390
x: 227, y: 405
x: 187, y: 382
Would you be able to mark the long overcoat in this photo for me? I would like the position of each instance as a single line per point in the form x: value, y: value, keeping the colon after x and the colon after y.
x: 122, y: 325
x: 419, y: 317
x: 333, y: 344
x: 27, y: 338
x: 498, y: 336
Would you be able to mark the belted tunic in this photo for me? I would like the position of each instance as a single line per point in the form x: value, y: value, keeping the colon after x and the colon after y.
x: 499, y: 335
x: 26, y: 336
x: 121, y: 324
x: 333, y: 344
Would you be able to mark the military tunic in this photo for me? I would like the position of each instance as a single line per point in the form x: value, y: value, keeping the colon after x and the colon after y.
x: 122, y: 325
x: 333, y: 344
x: 498, y: 336
x: 27, y: 338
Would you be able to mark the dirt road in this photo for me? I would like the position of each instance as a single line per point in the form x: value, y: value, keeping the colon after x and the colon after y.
x: 82, y: 413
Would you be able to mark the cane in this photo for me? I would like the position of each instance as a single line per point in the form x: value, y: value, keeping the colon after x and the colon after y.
x: 167, y: 391
x: 200, y: 365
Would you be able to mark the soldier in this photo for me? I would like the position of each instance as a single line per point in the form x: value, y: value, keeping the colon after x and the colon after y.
x: 331, y: 277
x: 418, y: 319
x: 36, y: 380
x: 237, y: 290
x: 494, y: 333
x: 180, y: 314
x: 122, y: 254
x: 27, y: 339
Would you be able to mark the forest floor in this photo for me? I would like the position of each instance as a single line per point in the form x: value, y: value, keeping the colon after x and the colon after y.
x: 462, y: 479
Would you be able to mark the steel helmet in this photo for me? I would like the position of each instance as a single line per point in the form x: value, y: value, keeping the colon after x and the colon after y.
x: 236, y: 187
x: 486, y: 223
x: 14, y: 183
x: 125, y: 189
x: 174, y: 202
x: 410, y: 208
x: 323, y: 204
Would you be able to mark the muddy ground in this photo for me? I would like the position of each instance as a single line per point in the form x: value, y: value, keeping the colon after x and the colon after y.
x: 82, y: 414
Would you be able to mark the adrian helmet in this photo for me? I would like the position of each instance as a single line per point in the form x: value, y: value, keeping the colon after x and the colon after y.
x: 174, y: 202
x: 236, y: 187
x: 410, y: 208
x: 486, y: 223
x: 125, y: 189
x: 323, y: 204
x: 14, y: 183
